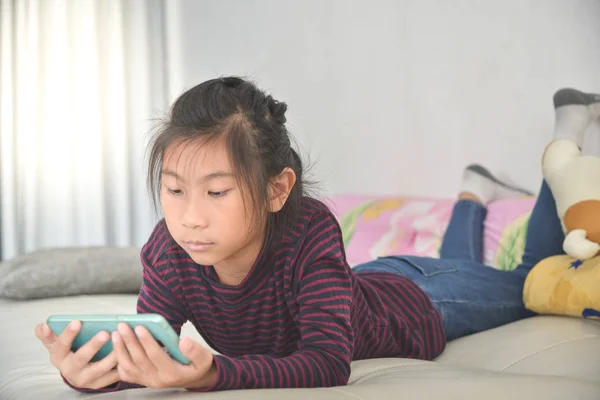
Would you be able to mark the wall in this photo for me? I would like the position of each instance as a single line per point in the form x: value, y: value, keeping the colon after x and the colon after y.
x: 396, y: 97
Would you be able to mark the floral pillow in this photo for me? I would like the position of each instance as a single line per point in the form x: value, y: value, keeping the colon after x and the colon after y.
x: 378, y: 226
x: 505, y: 229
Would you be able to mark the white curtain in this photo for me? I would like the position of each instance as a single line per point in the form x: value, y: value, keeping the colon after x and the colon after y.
x: 81, y: 84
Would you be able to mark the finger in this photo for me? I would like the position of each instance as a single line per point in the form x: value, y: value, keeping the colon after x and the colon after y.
x: 87, y: 375
x: 61, y: 347
x: 134, y: 348
x: 120, y: 349
x: 102, y: 367
x: 200, y: 356
x: 99, y: 369
x: 127, y: 370
x: 45, y: 335
x: 84, y: 355
x: 155, y: 353
x: 106, y: 380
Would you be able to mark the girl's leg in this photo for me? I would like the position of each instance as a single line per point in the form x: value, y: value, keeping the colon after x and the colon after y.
x: 470, y: 296
x: 463, y: 238
x: 545, y: 235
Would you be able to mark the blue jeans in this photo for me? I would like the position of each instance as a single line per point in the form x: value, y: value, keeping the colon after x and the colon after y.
x: 471, y: 296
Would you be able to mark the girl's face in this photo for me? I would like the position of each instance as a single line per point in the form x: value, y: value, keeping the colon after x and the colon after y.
x: 204, y: 208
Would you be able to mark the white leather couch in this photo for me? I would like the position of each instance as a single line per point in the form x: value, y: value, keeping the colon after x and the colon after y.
x: 539, y: 358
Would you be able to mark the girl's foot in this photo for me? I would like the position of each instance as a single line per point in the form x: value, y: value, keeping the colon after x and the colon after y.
x: 574, y: 111
x: 480, y: 183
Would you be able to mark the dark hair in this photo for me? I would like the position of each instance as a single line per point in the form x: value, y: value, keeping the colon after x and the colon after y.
x: 252, y: 125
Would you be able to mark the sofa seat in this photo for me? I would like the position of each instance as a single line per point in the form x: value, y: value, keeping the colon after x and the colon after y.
x: 545, y: 357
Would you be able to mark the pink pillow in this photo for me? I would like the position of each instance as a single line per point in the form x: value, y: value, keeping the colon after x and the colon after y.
x: 505, y: 229
x: 379, y: 226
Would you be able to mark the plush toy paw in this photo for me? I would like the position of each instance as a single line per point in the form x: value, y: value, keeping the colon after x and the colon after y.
x: 577, y: 246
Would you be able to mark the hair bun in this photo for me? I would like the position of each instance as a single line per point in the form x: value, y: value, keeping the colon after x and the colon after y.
x: 277, y: 110
x: 231, y: 81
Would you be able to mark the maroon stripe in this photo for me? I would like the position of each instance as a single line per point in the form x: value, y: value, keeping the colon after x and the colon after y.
x: 309, y: 378
x: 300, y: 370
x: 278, y: 379
x: 319, y: 367
x: 157, y: 239
x: 155, y: 296
x: 291, y: 373
x: 158, y: 295
x: 396, y: 298
x: 151, y: 307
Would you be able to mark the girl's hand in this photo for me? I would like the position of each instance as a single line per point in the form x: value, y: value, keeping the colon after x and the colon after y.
x: 76, y: 367
x: 141, y: 360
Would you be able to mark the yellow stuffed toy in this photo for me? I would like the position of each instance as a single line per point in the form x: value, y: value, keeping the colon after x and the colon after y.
x: 570, y: 284
x: 564, y: 285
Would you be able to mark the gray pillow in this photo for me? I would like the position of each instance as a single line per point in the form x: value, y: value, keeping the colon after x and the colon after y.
x: 71, y: 271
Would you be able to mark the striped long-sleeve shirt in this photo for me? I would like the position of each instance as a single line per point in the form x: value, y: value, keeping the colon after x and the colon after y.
x: 299, y: 317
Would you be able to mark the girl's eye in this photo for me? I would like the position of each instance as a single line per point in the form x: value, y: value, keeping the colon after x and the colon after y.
x: 218, y: 194
x: 175, y: 192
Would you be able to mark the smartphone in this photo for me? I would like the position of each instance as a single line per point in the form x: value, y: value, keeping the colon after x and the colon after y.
x: 91, y: 324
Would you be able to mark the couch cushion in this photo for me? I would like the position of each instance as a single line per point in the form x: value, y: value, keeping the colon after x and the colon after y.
x: 546, y: 345
x: 71, y: 271
x: 542, y: 357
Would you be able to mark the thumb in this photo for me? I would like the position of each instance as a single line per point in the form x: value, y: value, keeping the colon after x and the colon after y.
x: 45, y: 335
x: 198, y: 354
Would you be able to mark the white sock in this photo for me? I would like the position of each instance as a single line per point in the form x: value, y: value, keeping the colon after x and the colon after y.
x: 487, y: 188
x: 571, y: 122
x: 506, y: 189
x: 591, y: 141
x: 594, y: 107
x: 574, y: 111
x: 478, y: 185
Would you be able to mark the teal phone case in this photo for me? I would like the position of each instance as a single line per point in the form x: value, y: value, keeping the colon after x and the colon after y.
x: 91, y: 324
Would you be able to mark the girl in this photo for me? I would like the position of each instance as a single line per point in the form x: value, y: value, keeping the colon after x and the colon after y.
x: 260, y: 270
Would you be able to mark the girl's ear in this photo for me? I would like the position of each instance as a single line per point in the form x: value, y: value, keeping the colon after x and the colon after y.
x: 280, y: 188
